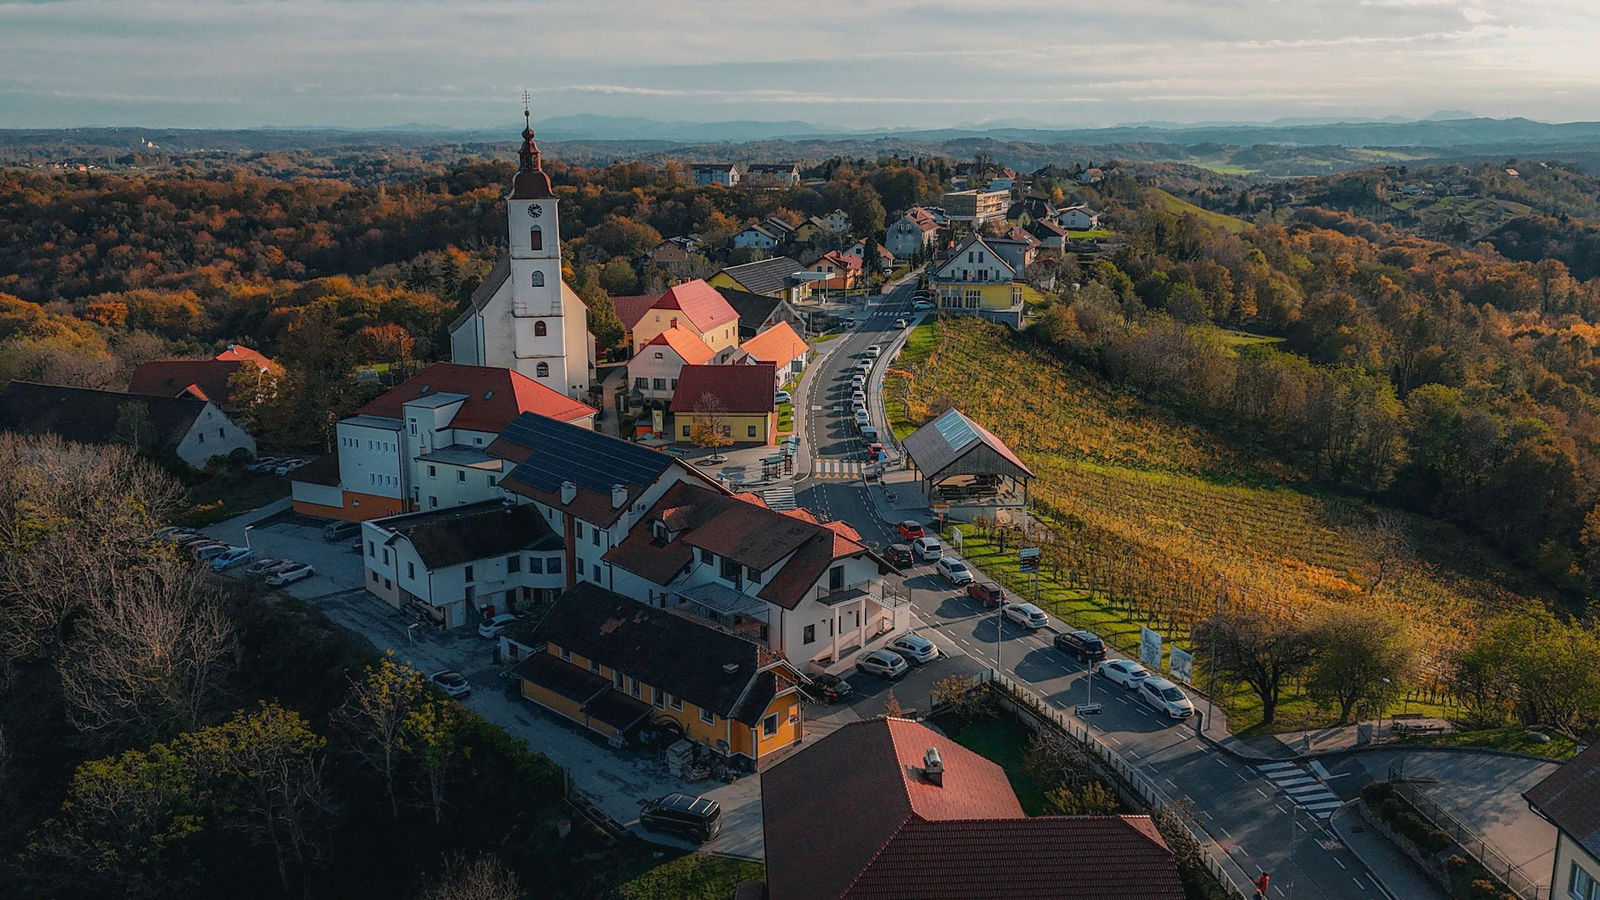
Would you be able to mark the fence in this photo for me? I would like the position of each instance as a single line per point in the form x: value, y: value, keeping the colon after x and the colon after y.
x: 1130, y: 779
x: 1510, y: 874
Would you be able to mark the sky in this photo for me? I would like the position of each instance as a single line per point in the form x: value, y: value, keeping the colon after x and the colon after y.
x: 838, y: 63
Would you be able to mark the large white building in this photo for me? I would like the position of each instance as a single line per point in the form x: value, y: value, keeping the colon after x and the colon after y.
x: 523, y: 316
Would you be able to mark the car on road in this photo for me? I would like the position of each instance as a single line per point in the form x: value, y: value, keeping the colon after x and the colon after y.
x: 829, y: 688
x: 338, y: 531
x: 190, y: 542
x: 884, y: 663
x: 859, y: 396
x: 862, y: 418
x: 870, y: 435
x: 900, y: 323
x: 987, y: 592
x: 858, y: 406
x: 1086, y: 646
x: 858, y: 381
x: 453, y: 683
x: 697, y: 818
x: 875, y: 450
x: 1125, y: 672
x: 492, y: 627
x: 873, y: 351
x: 910, y: 529
x: 1165, y: 697
x: 899, y: 556
x: 1027, y: 615
x: 927, y: 548
x: 954, y: 570
x: 208, y: 552
x: 782, y: 397
x: 865, y: 365
x: 297, y: 572
x: 922, y: 305
x: 915, y: 648
x: 233, y: 556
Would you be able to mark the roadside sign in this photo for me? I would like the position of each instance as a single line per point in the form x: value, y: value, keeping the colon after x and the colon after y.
x: 1028, y: 559
x: 1181, y: 664
x: 941, y: 507
x: 1150, y: 649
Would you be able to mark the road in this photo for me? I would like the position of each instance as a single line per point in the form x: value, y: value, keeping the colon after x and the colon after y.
x: 1269, y: 817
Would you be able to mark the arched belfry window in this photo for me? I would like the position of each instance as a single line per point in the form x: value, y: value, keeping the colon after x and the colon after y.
x: 542, y: 370
x: 538, y: 279
x: 535, y: 238
x: 539, y: 329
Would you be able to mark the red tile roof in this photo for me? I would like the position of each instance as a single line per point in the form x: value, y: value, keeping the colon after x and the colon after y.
x: 853, y: 816
x: 742, y: 389
x: 631, y: 308
x: 494, y: 397
x: 839, y: 261
x: 203, y: 378
x: 241, y: 353
x: 700, y: 304
x: 779, y: 345
x: 685, y: 343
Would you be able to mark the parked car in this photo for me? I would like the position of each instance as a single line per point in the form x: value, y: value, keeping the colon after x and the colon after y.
x: 1027, y: 615
x: 865, y: 366
x: 910, y: 529
x: 884, y: 663
x: 208, y: 552
x: 233, y: 556
x: 697, y: 818
x: 875, y: 450
x: 492, y: 627
x: 858, y: 381
x: 927, y: 548
x: 1084, y: 645
x: 190, y: 542
x: 782, y: 397
x: 899, y: 556
x: 1125, y: 672
x: 264, y: 464
x: 296, y: 572
x: 862, y: 418
x: 454, y: 684
x: 900, y: 323
x: 915, y: 648
x: 338, y: 531
x: 870, y: 435
x: 922, y: 305
x: 986, y: 592
x: 954, y: 570
x: 263, y: 566
x: 829, y: 688
x: 874, y: 351
x: 858, y: 406
x: 860, y: 396
x: 174, y: 533
x: 288, y: 466
x: 1165, y: 697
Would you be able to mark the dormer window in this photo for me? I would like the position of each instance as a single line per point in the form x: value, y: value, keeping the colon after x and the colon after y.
x: 659, y: 531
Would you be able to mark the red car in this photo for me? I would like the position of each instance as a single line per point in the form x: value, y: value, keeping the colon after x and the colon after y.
x: 986, y: 592
x: 910, y: 530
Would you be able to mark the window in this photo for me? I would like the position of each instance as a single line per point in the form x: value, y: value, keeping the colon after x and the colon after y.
x: 616, y: 679
x: 707, y: 716
x: 808, y: 634
x: 535, y: 565
x: 374, y: 577
x: 674, y: 384
x: 835, y: 578
x: 493, y: 480
x: 433, y: 502
x: 685, y: 431
x: 553, y: 566
x: 635, y: 688
x: 594, y: 535
x: 594, y: 665
x: 706, y: 556
x: 658, y: 355
x: 540, y: 329
x: 537, y: 280
x: 1581, y: 885
x: 469, y: 574
x: 387, y: 585
x: 769, y: 725
x: 542, y: 370
x: 750, y: 431
x: 386, y: 556
x: 411, y: 425
x: 674, y: 701
x: 659, y: 699
x: 372, y: 549
x: 535, y: 238
x: 201, y: 436
x: 220, y: 434
x: 433, y: 471
x: 461, y: 476
x: 659, y: 384
x: 566, y: 655
x: 753, y: 574
x: 411, y: 570
x: 727, y: 431
x: 641, y: 382
x: 513, y: 564
x: 577, y: 566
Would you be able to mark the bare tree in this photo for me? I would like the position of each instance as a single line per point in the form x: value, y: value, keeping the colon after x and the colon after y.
x: 376, y: 716
x: 483, y: 877
x: 1258, y: 649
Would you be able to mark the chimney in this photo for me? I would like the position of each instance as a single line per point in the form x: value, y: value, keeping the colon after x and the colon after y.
x: 569, y: 492
x: 933, y: 767
x: 619, y: 496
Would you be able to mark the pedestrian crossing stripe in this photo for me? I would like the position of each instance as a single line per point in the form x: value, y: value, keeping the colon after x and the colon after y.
x: 1303, y: 787
x: 1268, y: 767
x: 836, y: 468
x: 779, y: 499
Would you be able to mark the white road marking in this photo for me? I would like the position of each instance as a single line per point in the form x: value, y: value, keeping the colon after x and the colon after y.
x: 1340, y: 864
x: 1268, y: 767
x: 1262, y: 793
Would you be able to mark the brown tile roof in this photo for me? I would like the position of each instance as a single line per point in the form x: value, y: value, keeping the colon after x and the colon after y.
x: 700, y: 304
x: 1570, y: 798
x: 241, y: 353
x: 494, y: 396
x: 203, y: 378
x: 685, y: 343
x: 631, y: 308
x: 852, y: 816
x: 461, y: 534
x: 741, y: 389
x: 779, y: 345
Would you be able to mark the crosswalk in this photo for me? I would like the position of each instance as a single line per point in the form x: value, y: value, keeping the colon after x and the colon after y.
x: 1303, y: 787
x: 836, y: 468
x: 779, y: 498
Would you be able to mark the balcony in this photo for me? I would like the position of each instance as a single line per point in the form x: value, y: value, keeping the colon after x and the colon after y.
x: 875, y: 590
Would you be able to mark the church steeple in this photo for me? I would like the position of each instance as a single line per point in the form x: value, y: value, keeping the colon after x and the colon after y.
x: 531, y: 182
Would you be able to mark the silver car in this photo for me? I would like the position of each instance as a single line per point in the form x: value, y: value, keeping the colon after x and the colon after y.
x: 915, y: 648
x: 1027, y: 615
x: 884, y: 663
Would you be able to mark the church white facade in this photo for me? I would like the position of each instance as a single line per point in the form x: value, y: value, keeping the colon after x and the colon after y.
x: 523, y: 316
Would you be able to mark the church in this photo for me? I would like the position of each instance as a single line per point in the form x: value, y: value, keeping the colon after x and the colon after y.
x: 523, y: 316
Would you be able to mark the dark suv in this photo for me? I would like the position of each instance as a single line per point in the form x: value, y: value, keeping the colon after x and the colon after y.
x: 987, y: 593
x: 829, y: 688
x: 1082, y: 644
x: 899, y: 556
x: 695, y: 818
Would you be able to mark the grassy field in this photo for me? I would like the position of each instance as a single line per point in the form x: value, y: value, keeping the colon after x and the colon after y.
x: 1090, y: 234
x: 220, y: 495
x: 1481, y: 214
x: 1180, y: 206
x: 1002, y: 740
x: 1127, y: 480
x: 1513, y: 739
x: 695, y: 876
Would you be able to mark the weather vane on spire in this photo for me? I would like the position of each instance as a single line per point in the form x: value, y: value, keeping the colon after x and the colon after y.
x: 526, y: 115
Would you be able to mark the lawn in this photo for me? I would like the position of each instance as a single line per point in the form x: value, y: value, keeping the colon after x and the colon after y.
x: 215, y: 496
x: 1003, y: 740
x: 1090, y: 234
x: 919, y: 344
x: 1514, y: 739
x: 785, y: 418
x: 695, y: 876
x: 1179, y: 205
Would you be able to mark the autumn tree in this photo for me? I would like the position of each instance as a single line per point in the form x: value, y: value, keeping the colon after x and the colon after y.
x: 1362, y: 659
x: 376, y: 717
x: 1257, y: 649
x: 709, y: 430
x: 433, y: 734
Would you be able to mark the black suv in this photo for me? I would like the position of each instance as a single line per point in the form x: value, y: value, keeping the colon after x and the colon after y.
x: 829, y: 688
x: 695, y: 818
x: 1082, y: 644
x: 899, y: 555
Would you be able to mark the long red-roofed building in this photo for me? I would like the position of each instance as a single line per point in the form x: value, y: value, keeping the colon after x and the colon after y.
x: 205, y: 379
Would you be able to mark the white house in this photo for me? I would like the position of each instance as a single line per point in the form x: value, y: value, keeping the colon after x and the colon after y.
x: 1078, y: 218
x: 723, y: 174
x: 837, y: 221
x: 910, y: 233
x: 523, y: 316
x: 654, y: 369
x: 755, y: 238
x: 193, y: 430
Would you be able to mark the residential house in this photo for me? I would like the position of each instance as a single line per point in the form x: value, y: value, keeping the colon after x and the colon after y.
x: 241, y: 353
x: 975, y: 280
x: 1049, y: 235
x: 976, y: 207
x: 779, y: 345
x: 611, y: 664
x: 736, y: 399
x: 891, y: 808
x: 424, y: 444
x: 654, y: 369
x: 1091, y: 176
x: 858, y: 251
x: 1017, y: 247
x: 675, y: 255
x: 193, y: 430
x: 910, y: 233
x: 813, y: 593
x: 207, y: 379
x: 777, y: 277
x: 1031, y: 209
x: 773, y: 174
x: 630, y: 309
x: 1078, y: 218
x: 758, y: 312
x: 722, y: 174
x: 460, y: 565
x: 695, y: 306
x: 756, y: 237
x: 840, y: 272
x: 837, y: 221
x: 1569, y: 799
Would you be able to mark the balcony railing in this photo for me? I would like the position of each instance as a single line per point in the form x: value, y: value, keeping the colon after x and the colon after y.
x: 873, y: 589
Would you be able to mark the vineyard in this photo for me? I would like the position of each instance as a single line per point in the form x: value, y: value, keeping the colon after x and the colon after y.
x: 1161, y: 523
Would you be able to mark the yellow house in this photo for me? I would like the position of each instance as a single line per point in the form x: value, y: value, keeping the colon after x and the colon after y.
x: 737, y: 399
x: 695, y: 307
x: 616, y: 666
x: 808, y: 231
x: 974, y: 280
x: 779, y: 277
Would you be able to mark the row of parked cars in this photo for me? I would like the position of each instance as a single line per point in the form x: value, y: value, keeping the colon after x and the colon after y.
x: 277, y: 465
x: 224, y: 556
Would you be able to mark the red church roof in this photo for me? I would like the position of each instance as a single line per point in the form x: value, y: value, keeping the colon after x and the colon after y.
x: 203, y: 378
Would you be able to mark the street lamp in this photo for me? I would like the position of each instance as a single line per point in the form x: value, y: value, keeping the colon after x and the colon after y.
x: 1384, y: 708
x: 247, y: 538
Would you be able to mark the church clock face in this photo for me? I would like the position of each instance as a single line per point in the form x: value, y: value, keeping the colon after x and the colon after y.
x: 535, y: 210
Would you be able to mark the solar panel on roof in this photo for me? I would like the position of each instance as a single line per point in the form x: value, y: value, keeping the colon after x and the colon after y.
x: 563, y: 452
x: 955, y: 429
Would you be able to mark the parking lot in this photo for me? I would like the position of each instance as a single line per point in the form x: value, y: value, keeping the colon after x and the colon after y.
x: 275, y: 532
